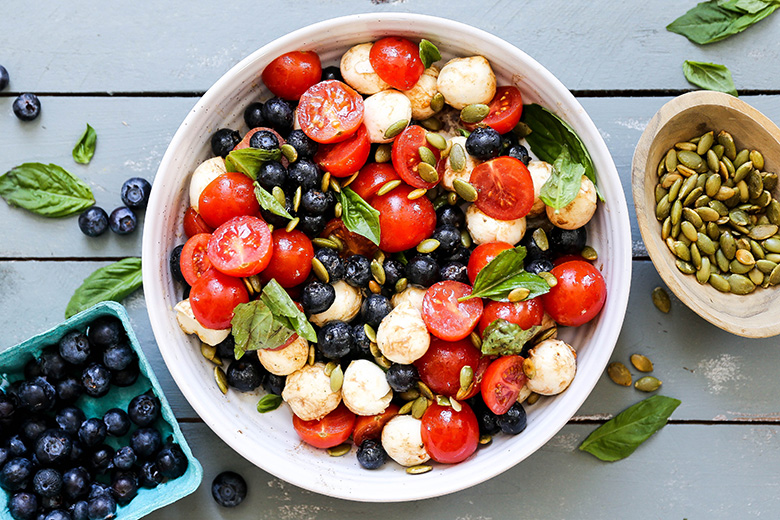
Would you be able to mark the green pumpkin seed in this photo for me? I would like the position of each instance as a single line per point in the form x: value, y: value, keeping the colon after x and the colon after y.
x: 666, y: 228
x: 705, y: 143
x: 757, y: 159
x: 396, y: 128
x: 687, y: 187
x: 695, y: 256
x: 383, y: 153
x: 465, y: 190
x: 641, y: 363
x: 619, y: 374
x: 745, y: 257
x: 685, y: 145
x: 770, y: 180
x: 685, y: 171
x: 671, y: 160
x: 774, y: 276
x: 742, y: 172
x: 739, y: 217
x: 663, y: 208
x: 773, y: 212
x: 417, y: 194
x: 325, y: 184
x: 703, y: 273
x: 728, y: 245
x: 701, y: 201
x: 420, y: 405
x: 756, y: 276
x: 667, y: 181
x: 297, y: 198
x: 765, y: 266
x: 400, y: 285
x: 221, y: 379
x: 713, y: 231
x: 455, y: 404
x: 719, y: 283
x: 660, y: 193
x: 336, y: 379
x: 737, y: 267
x: 674, y: 189
x: 349, y: 179
x: 741, y: 158
x: 329, y: 367
x: 676, y: 212
x: 209, y: 352
x: 338, y: 209
x: 419, y: 469
x: 755, y: 185
x: 689, y: 231
x: 466, y: 377
x: 763, y: 231
x: 661, y: 300
x: 690, y: 159
x: 518, y: 294
x: 475, y: 339
x: 278, y: 194
x: 540, y: 239
x: 378, y: 272
x: 773, y: 257
x: 719, y: 207
x: 763, y: 200
x: 757, y: 250
x: 432, y: 124
x: 388, y: 186
x: 292, y: 224
x: 692, y: 196
x: 289, y: 152
x: 647, y: 384
x: 772, y: 245
x: 424, y: 390
x: 590, y: 254
x: 426, y: 155
x: 474, y: 113
x: 712, y: 185
x: 713, y: 162
x: 436, y: 140
x: 705, y: 243
x: 407, y: 407
x: 739, y: 284
x: 457, y: 158
x: 373, y: 348
x: 370, y: 333
x: 319, y: 270
x: 533, y: 398
x: 675, y: 230
x: 485, y: 439
x: 684, y: 267
x: 718, y: 149
x: 442, y: 400
x: 729, y: 148
x: 429, y: 245
x: 704, y: 214
x: 729, y: 166
x: 550, y: 278
x: 723, y: 170
x: 437, y: 102
x: 465, y: 239
x: 427, y: 172
x: 340, y: 450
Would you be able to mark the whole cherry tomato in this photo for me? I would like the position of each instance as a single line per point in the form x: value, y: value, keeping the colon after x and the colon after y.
x: 579, y: 294
x: 450, y: 436
x: 397, y: 61
x: 229, y: 195
x: 403, y: 223
x: 482, y: 255
x: 213, y: 298
x: 289, y: 75
x: 291, y: 260
x: 331, y: 430
x: 370, y: 426
x: 526, y: 314
x: 441, y: 364
x: 194, y: 223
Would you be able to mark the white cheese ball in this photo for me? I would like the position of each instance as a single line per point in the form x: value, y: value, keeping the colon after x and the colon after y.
x: 402, y: 440
x: 365, y: 390
x: 540, y: 172
x: 579, y: 211
x: 206, y: 172
x: 412, y: 295
x: 190, y: 325
x: 449, y: 175
x: 554, y: 364
x: 285, y: 361
x: 484, y: 229
x: 402, y: 336
x: 358, y: 73
x: 465, y: 81
x: 307, y: 391
x: 345, y: 307
x: 422, y: 92
x: 382, y: 110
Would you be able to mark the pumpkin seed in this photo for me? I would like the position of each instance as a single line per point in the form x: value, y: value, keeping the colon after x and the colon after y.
x: 416, y: 194
x: 419, y: 469
x: 289, y: 151
x: 641, y: 363
x: 442, y: 400
x: 429, y: 245
x: 474, y: 113
x: 765, y: 266
x: 427, y: 172
x: 757, y: 159
x: 518, y: 294
x: 529, y: 369
x: 737, y: 267
x: 763, y: 231
x: 704, y: 271
x: 319, y: 270
x: 424, y: 390
x: 338, y: 209
x: 713, y: 162
x: 437, y: 102
x: 685, y: 171
x: 712, y: 185
x: 540, y: 239
x: 757, y: 250
x: 718, y: 149
x: 388, y: 186
x: 436, y: 140
x: 741, y: 158
x: 324, y: 242
x: 349, y: 179
x: 466, y: 377
x: 373, y: 348
x: 550, y: 278
x: 745, y: 257
x: 773, y: 257
x: 740, y: 284
x: 675, y: 230
x: 683, y: 145
x: 340, y: 450
x: 485, y: 439
x: 647, y: 384
x: 521, y: 130
x: 329, y: 368
x: 770, y: 180
x: 729, y: 166
x: 755, y: 185
x: 690, y: 159
x: 705, y: 214
x: 671, y: 160
x: 719, y: 283
x: 689, y: 231
x: 723, y: 170
x: 336, y: 379
x: 667, y: 181
x: 455, y: 404
x: 209, y: 352
x: 729, y: 148
x: 221, y: 379
x: 452, y: 198
x: 465, y: 239
x: 590, y: 254
x: 619, y: 374
x: 756, y: 276
x: 687, y: 187
x: 663, y: 208
x: 378, y: 272
x: 661, y: 300
x: 533, y: 398
x: 420, y: 405
x: 676, y: 212
x: 400, y: 285
x: 773, y: 212
x: 550, y: 333
x: 695, y: 256
x: 684, y: 267
x: 772, y: 244
x: 705, y: 143
x: 370, y: 333
x: 713, y: 231
x: 674, y: 189
x: 476, y: 340
x: 426, y: 155
x: 407, y: 407
x: 383, y: 153
x: 292, y: 224
x: 464, y: 190
x: 334, y: 185
x: 297, y: 198
x: 457, y: 158
x: 682, y: 251
x: 728, y: 245
x: 692, y: 196
x: 396, y: 128
x: 278, y: 194
x: 774, y: 276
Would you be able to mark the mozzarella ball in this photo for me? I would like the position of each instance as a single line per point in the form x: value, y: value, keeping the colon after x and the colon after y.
x: 402, y: 336
x: 449, y: 175
x: 412, y: 295
x: 190, y: 325
x: 358, y: 73
x: 540, y: 172
x: 465, y: 81
x: 553, y: 364
x: 344, y: 308
x: 206, y: 172
x: 579, y: 211
x: 365, y: 390
x: 422, y: 92
x: 382, y: 110
x: 307, y: 391
x: 402, y: 440
x: 285, y: 361
x: 484, y: 229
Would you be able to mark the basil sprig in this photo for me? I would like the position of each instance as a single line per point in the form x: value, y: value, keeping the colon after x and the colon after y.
x: 502, y: 338
x: 286, y: 312
x: 268, y: 202
x: 85, y: 147
x: 358, y: 216
x: 249, y: 160
x: 254, y: 327
x: 564, y: 184
x: 47, y: 190
x: 429, y: 53
x: 112, y: 282
x: 618, y: 438
x: 269, y: 403
x: 710, y: 76
x: 504, y: 274
x: 716, y: 20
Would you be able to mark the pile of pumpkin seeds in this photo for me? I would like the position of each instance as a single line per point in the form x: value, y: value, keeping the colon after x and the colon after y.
x: 718, y: 215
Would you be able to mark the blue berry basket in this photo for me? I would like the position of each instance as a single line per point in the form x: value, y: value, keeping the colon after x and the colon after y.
x: 12, y: 363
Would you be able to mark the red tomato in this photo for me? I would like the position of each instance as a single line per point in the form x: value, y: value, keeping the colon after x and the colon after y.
x: 441, y: 364
x: 579, y: 294
x: 406, y: 156
x: 245, y: 141
x: 502, y: 382
x: 289, y: 75
x: 331, y: 430
x: 229, y: 195
x: 505, y: 110
x: 241, y: 246
x: 370, y: 426
x: 354, y: 244
x: 505, y: 188
x: 345, y: 158
x: 397, y: 61
x: 445, y: 316
x: 194, y: 261
x: 213, y: 298
x: 566, y: 258
x: 194, y: 223
x: 526, y: 314
x: 371, y: 178
x: 403, y: 223
x: 482, y: 255
x: 330, y: 111
x: 449, y: 436
x: 291, y: 261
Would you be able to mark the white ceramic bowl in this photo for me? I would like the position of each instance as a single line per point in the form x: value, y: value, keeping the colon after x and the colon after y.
x: 269, y: 440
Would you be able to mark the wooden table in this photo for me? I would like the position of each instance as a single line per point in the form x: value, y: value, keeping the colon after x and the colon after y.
x: 133, y: 70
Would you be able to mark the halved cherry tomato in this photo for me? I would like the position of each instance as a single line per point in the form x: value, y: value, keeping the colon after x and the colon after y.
x: 446, y: 317
x: 403, y: 223
x: 330, y: 111
x: 505, y: 188
x: 331, y: 430
x: 291, y: 261
x: 482, y: 255
x: 579, y: 294
x: 245, y: 141
x: 370, y: 426
x: 241, y: 246
x: 229, y: 195
x: 502, y: 382
x: 289, y: 75
x: 397, y: 61
x: 526, y: 314
x: 354, y: 244
x: 194, y: 261
x: 194, y: 223
x: 441, y: 364
x: 505, y: 110
x: 213, y: 298
x: 406, y: 156
x: 449, y: 436
x: 345, y: 158
x: 371, y: 178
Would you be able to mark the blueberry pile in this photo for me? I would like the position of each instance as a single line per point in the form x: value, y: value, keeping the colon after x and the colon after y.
x: 135, y: 193
x: 56, y: 463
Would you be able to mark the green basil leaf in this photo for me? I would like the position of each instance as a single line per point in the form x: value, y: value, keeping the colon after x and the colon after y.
x: 269, y: 403
x: 618, y: 438
x: 429, y: 54
x: 504, y: 274
x: 502, y: 338
x: 112, y: 282
x: 358, y: 216
x: 286, y: 312
x: 48, y: 190
x: 713, y: 21
x: 709, y: 76
x: 249, y: 160
x: 85, y: 147
x: 564, y: 184
x: 465, y: 133
x: 254, y: 327
x: 268, y: 202
x: 751, y: 6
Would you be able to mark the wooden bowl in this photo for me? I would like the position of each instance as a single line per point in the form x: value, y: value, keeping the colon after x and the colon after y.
x: 755, y: 315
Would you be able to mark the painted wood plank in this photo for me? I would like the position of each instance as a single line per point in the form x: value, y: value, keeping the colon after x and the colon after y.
x: 185, y: 46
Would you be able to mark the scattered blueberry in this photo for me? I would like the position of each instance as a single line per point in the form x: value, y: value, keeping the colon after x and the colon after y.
x: 4, y: 78
x: 117, y: 422
x: 124, y: 458
x: 456, y: 272
x: 144, y: 409
x: 568, y: 241
x: 278, y: 114
x: 371, y: 454
x: 122, y: 220
x: 102, y: 507
x: 448, y: 237
x: 223, y: 141
x: 450, y: 216
x: 228, y: 489
x: 274, y: 384
x: 422, y: 270
x: 331, y: 72
x: 27, y: 107
x: 245, y: 374
x: 303, y: 144
x: 96, y: 380
x: 171, y: 461
x: 118, y: 357
x: 226, y: 347
x: 332, y: 262
x: 146, y: 442
x: 92, y: 432
x: 520, y: 153
x: 305, y: 173
x: 23, y: 506
x: 93, y: 221
x: 374, y: 308
x: 47, y: 482
x: 174, y: 263
x: 394, y: 271
x: 272, y: 174
x: 135, y: 192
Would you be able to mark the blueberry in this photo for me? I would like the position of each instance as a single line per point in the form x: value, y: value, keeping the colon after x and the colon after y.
x: 75, y: 483
x: 74, y: 347
x: 448, y: 237
x: 32, y: 369
x: 456, y: 272
x: 16, y: 473
x: 313, y: 225
x: 77, y: 452
x: 538, y: 265
x: 317, y: 296
x: 97, y: 489
x: 53, y: 447
x: 513, y: 421
x: 53, y: 365
x: 7, y: 406
x: 305, y: 173
x: 274, y: 384
x: 96, y: 380
x: 361, y: 345
x: 17, y: 446
x: 4, y: 79
x: 4, y: 456
x: 275, y: 220
x: 144, y: 409
x: 23, y: 506
x: 124, y: 486
x: 47, y: 482
x: 253, y: 115
x: 149, y: 475
x: 278, y: 114
x: 105, y: 331
x: 58, y: 514
x: 316, y: 202
x: 145, y: 442
x: 374, y: 308
x: 508, y: 141
x: 228, y: 489
x: 357, y: 271
x: 223, y: 141
x: 305, y: 146
x: 422, y: 270
x: 27, y: 107
x: 332, y: 262
x: 245, y: 374
x: 93, y: 221
x: 117, y: 422
x: 102, y: 507
x: 122, y: 220
x: 49, y: 504
x: 394, y: 271
x: 171, y: 461
x: 334, y: 339
x: 174, y: 262
x: 487, y: 420
x: 227, y: 347
x: 135, y: 192
x: 484, y: 143
x: 118, y: 357
x: 568, y: 241
x: 264, y: 140
x: 126, y: 377
x: 124, y: 458
x: 450, y: 216
x: 92, y: 432
x: 371, y: 454
x: 332, y: 72
x: 271, y: 174
x: 520, y: 153
x: 69, y: 389
x: 532, y: 249
x: 33, y: 426
x: 101, y: 459
x: 79, y: 510
x: 402, y: 378
x: 69, y: 419
x: 36, y: 395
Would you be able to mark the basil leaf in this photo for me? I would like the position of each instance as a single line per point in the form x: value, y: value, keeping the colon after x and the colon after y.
x: 709, y: 76
x: 358, y: 216
x: 429, y: 54
x: 504, y: 274
x: 713, y: 21
x: 503, y: 338
x: 85, y: 147
x: 249, y: 160
x: 286, y: 312
x: 465, y: 133
x: 112, y: 282
x: 618, y: 438
x: 564, y: 184
x: 46, y: 190
x: 269, y: 403
x: 254, y: 327
x: 268, y: 202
